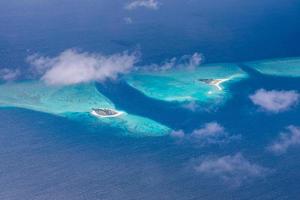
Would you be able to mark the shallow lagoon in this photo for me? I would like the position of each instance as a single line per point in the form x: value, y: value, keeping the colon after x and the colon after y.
x: 184, y: 85
x: 57, y: 158
x: 54, y: 155
x: 74, y: 102
x: 279, y: 67
x: 177, y: 86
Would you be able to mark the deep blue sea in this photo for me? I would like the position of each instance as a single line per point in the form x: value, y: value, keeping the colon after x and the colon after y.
x: 43, y: 156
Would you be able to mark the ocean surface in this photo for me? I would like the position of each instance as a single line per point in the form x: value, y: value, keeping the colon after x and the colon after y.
x: 48, y: 156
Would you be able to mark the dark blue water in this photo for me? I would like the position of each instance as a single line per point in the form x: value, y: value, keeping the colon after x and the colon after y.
x: 230, y: 30
x: 47, y: 157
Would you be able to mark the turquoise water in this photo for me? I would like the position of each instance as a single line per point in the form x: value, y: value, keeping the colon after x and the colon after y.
x: 37, y: 96
x: 75, y: 102
x: 52, y: 148
x: 57, y: 135
x: 184, y: 85
x: 278, y: 67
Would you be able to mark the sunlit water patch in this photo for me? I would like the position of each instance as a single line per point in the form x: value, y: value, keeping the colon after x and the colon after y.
x: 207, y: 83
x: 75, y: 102
x: 278, y: 67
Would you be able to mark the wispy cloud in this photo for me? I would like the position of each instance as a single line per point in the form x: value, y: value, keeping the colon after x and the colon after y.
x: 194, y: 60
x: 208, y: 130
x: 209, y: 133
x: 178, y: 134
x: 7, y: 74
x: 188, y: 62
x: 289, y: 138
x: 233, y: 169
x: 275, y: 101
x: 150, y: 4
x: 212, y: 133
x: 73, y: 67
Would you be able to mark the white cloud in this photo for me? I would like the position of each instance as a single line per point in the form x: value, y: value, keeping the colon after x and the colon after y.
x: 234, y: 169
x: 150, y: 4
x: 188, y: 62
x: 194, y: 60
x: 7, y: 74
x: 167, y: 65
x: 286, y: 139
x: 208, y: 130
x: 178, y: 134
x: 275, y: 101
x: 40, y: 64
x: 210, y: 133
x: 73, y: 67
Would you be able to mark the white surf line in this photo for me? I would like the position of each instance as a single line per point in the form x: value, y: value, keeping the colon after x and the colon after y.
x: 108, y: 116
x: 218, y: 85
x: 219, y: 82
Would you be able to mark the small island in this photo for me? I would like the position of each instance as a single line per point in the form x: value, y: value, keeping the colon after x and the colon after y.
x: 214, y: 82
x: 105, y: 112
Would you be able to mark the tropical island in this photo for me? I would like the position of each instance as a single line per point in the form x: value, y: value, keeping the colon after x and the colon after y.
x: 105, y: 112
x: 214, y: 82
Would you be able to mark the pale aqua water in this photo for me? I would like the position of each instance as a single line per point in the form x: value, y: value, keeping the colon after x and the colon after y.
x: 54, y: 149
x: 278, y: 67
x: 74, y: 102
x: 184, y: 85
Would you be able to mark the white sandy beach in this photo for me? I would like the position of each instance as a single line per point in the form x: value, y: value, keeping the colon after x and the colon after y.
x: 118, y: 113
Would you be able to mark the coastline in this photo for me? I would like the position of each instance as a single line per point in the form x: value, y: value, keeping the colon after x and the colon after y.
x: 118, y: 113
x: 217, y: 83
